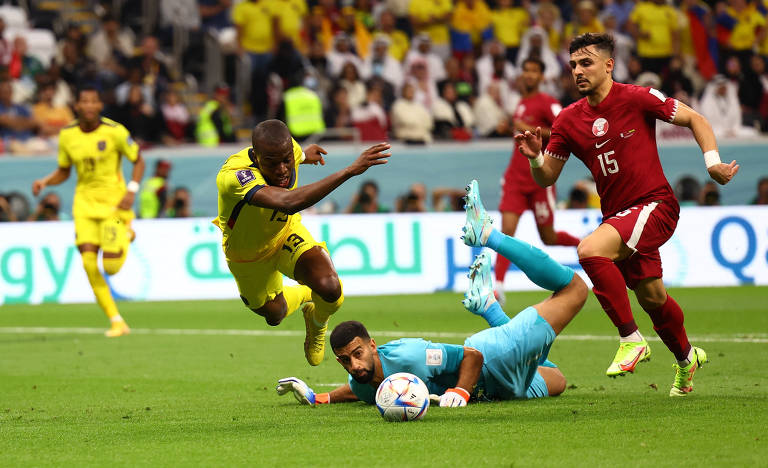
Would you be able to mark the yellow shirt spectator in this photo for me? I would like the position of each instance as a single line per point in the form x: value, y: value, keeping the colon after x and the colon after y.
x: 748, y: 23
x: 657, y: 25
x: 290, y: 14
x: 473, y: 17
x: 433, y: 12
x: 253, y: 20
x: 509, y: 24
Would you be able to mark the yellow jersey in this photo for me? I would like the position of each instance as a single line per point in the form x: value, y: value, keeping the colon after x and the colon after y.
x: 255, y: 23
x: 426, y: 9
x: 251, y: 233
x: 96, y: 157
x: 509, y: 25
x: 660, y: 22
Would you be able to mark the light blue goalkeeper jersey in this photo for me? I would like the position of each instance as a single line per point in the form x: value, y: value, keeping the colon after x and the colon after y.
x: 437, y: 364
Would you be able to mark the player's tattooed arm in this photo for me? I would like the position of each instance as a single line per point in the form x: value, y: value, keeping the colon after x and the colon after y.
x: 293, y: 201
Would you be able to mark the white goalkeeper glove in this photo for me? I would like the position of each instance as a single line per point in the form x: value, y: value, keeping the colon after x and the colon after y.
x: 454, y: 397
x: 300, y: 390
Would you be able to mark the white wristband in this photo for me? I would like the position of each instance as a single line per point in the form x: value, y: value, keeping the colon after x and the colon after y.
x: 711, y: 158
x: 303, y: 157
x: 132, y: 186
x: 536, y: 162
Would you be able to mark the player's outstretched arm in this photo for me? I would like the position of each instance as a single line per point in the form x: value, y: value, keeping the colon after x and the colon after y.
x: 719, y: 172
x: 545, y: 170
x: 306, y: 396
x: 54, y: 178
x: 313, y: 154
x: 292, y: 201
x: 469, y: 372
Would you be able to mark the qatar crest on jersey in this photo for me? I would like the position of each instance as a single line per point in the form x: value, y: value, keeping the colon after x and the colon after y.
x: 599, y: 127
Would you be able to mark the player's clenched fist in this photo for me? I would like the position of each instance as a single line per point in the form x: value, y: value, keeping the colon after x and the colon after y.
x: 723, y: 173
x: 373, y: 156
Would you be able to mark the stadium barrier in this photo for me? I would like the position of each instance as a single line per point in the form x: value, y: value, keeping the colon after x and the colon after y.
x: 385, y: 254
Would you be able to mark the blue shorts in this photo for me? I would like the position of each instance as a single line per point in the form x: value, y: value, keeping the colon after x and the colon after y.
x: 512, y: 354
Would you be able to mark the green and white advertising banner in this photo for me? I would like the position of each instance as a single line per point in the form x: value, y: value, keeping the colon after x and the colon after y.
x: 374, y: 254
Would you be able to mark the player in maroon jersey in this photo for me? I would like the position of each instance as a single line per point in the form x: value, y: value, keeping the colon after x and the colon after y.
x: 612, y: 131
x: 519, y: 191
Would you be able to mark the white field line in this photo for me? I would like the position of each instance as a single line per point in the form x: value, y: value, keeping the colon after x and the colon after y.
x: 723, y: 338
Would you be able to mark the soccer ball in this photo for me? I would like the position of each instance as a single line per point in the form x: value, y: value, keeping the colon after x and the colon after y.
x: 402, y: 397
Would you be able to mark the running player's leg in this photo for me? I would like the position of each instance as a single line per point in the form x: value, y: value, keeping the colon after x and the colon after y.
x: 88, y: 239
x: 543, y: 207
x: 116, y: 236
x: 261, y: 289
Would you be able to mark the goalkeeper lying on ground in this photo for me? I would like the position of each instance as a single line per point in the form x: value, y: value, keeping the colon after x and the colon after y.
x: 506, y: 361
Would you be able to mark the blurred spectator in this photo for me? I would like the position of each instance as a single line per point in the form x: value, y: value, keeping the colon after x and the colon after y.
x: 6, y: 213
x: 634, y: 69
x: 492, y: 120
x: 49, y: 117
x: 255, y: 37
x: 468, y: 74
x: 709, y: 195
x: 471, y: 24
x: 16, y: 122
x: 175, y: 119
x: 762, y: 192
x: 589, y: 187
x: 619, y: 10
x: 289, y: 14
x: 342, y: 54
x: 214, y: 122
x: 584, y: 21
x: 753, y: 94
x: 111, y: 46
x: 153, y: 64
x: 370, y: 118
x: 655, y: 27
x: 215, y: 14
x: 398, y: 40
x: 422, y: 51
x: 454, y: 119
x: 303, y: 109
x: 338, y: 114
x: 76, y: 69
x: 350, y: 79
x: 180, y: 204
x: 138, y: 116
x: 154, y: 191
x: 493, y: 65
x: 675, y: 80
x: 623, y: 46
x: 431, y: 19
x: 453, y: 75
x: 318, y: 32
x: 62, y: 95
x: 135, y: 79
x: 549, y: 20
x: 48, y: 209
x: 381, y: 64
x: 356, y: 31
x: 720, y: 105
x: 425, y: 89
x: 577, y: 199
x: 286, y: 61
x: 534, y: 45
x: 746, y: 25
x: 448, y: 199
x: 415, y: 201
x: 366, y: 200
x: 5, y: 46
x: 687, y: 190
x: 411, y: 121
x: 509, y: 24
x: 22, y: 65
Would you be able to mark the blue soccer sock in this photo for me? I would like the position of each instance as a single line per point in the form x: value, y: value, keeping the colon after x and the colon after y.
x: 536, y: 264
x: 494, y: 315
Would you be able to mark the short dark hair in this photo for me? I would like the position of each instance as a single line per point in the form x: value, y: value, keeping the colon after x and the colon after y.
x: 88, y: 87
x: 270, y: 134
x: 601, y: 41
x: 535, y: 60
x: 347, y: 331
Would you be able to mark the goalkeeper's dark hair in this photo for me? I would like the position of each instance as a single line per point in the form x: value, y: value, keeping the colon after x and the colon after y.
x: 601, y: 41
x: 347, y: 331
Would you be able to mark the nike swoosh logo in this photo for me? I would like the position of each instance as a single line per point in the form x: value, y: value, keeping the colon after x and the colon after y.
x: 631, y: 363
x: 600, y: 145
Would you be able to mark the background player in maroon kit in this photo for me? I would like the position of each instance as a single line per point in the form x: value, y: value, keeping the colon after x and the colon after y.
x: 519, y: 191
x: 612, y: 131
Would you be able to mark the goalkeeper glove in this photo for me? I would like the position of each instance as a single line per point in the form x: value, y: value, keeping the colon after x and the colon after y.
x: 454, y: 397
x: 302, y: 392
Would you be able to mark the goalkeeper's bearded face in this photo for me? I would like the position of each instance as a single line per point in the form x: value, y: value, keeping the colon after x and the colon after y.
x: 359, y: 359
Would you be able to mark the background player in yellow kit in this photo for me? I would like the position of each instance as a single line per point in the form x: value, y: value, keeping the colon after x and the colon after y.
x: 263, y: 238
x: 102, y: 208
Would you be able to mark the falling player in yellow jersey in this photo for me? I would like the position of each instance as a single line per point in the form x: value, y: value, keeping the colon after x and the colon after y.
x: 102, y: 208
x: 263, y: 238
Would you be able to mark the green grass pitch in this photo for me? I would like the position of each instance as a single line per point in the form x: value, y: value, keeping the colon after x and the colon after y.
x: 187, y: 388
